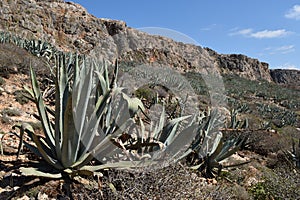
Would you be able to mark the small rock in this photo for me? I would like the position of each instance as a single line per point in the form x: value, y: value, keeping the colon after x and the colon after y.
x: 194, y: 176
x: 251, y: 181
x: 212, y: 181
x: 24, y: 198
x: 16, y: 188
x: 43, y: 196
x: 253, y: 170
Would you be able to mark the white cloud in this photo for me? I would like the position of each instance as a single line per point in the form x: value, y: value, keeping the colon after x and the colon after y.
x: 242, y: 32
x: 285, y: 49
x: 288, y: 66
x: 261, y: 34
x: 270, y: 34
x: 279, y: 50
x: 294, y: 13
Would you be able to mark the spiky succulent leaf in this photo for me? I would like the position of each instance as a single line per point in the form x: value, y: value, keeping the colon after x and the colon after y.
x: 231, y: 146
x: 169, y: 131
x: 24, y: 127
x: 175, y: 148
x: 61, y: 95
x: 217, y: 144
x: 46, y: 123
x: 31, y: 171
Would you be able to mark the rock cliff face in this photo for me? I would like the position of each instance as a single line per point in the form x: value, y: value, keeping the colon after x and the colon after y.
x: 241, y: 65
x: 283, y: 76
x: 69, y: 27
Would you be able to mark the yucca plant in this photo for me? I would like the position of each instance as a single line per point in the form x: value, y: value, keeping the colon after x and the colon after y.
x: 83, y: 124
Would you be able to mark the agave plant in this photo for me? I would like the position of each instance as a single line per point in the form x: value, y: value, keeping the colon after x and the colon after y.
x: 294, y: 155
x: 210, y: 165
x: 39, y: 48
x: 83, y: 124
x: 235, y: 123
x: 35, y: 47
x: 8, y: 38
x: 5, y: 37
x: 210, y: 147
x: 162, y: 142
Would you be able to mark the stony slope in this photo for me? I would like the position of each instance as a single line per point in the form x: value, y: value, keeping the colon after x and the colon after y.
x: 291, y: 77
x: 70, y: 27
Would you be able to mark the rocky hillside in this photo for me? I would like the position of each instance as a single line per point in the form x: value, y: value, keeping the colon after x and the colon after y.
x: 241, y: 65
x: 258, y: 107
x: 70, y: 27
x: 290, y: 77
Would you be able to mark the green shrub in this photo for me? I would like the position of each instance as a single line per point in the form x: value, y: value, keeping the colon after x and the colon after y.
x: 20, y: 96
x: 2, y: 81
x: 145, y: 92
x: 259, y: 192
x: 279, y: 183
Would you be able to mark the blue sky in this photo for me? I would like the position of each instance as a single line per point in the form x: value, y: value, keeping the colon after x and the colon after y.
x: 264, y: 29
